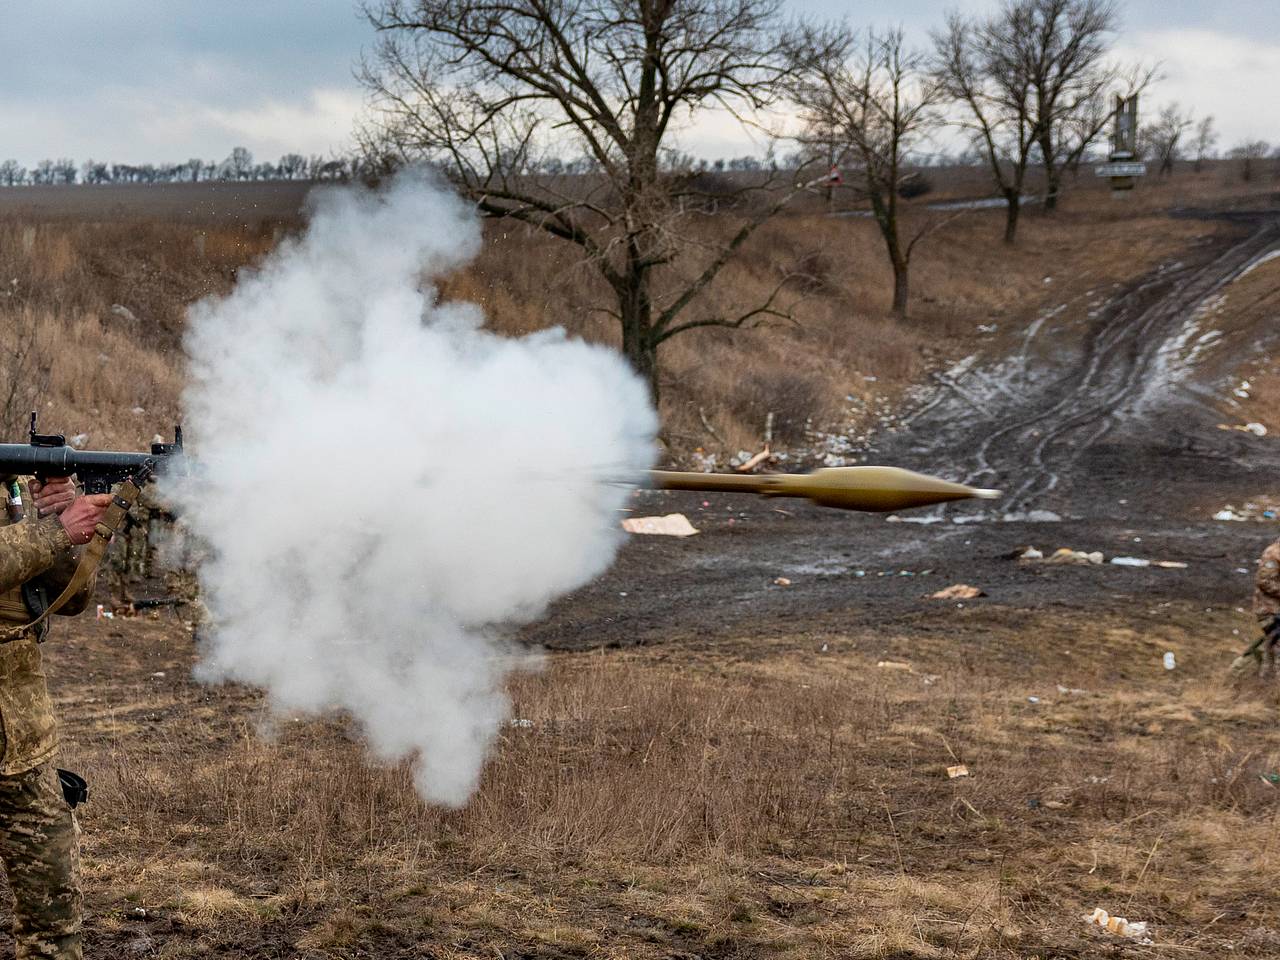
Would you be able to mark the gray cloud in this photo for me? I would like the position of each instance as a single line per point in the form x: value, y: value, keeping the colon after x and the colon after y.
x: 152, y: 81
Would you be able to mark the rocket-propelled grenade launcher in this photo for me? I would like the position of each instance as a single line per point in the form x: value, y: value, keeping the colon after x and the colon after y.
x: 876, y: 489
x: 48, y: 455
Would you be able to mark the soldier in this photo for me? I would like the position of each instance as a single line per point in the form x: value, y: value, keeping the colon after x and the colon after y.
x: 38, y: 833
x: 1266, y: 602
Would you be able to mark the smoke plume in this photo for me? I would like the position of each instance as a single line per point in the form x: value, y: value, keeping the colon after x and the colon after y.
x: 385, y: 486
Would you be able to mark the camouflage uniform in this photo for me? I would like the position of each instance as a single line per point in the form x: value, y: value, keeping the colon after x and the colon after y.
x: 38, y: 832
x: 1266, y: 594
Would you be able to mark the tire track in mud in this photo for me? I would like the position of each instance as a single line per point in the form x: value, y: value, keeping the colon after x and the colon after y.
x: 1113, y: 378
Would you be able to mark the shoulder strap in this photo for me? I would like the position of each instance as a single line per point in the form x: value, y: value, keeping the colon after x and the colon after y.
x: 94, y: 551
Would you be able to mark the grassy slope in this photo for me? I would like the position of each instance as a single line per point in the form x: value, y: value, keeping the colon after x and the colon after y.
x: 65, y: 277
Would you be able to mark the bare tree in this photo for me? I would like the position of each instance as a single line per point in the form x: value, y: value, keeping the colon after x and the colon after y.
x: 12, y: 173
x: 489, y: 89
x: 293, y: 166
x: 1162, y: 139
x: 1206, y: 138
x: 1065, y: 44
x: 978, y: 67
x: 874, y: 106
x: 1033, y: 78
x: 1250, y: 153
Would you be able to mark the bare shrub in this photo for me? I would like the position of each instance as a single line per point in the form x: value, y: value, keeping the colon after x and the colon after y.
x: 794, y: 397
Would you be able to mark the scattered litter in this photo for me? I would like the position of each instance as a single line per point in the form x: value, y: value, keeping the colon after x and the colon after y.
x: 520, y: 722
x: 1067, y: 555
x: 926, y: 519
x: 1054, y: 805
x: 1033, y: 699
x: 104, y: 614
x: 1062, y: 689
x: 158, y: 673
x: 123, y: 312
x: 1031, y: 553
x: 958, y: 771
x: 781, y: 582
x: 1170, y: 662
x: 958, y: 591
x: 894, y: 665
x: 1264, y: 510
x: 138, y: 411
x: 672, y: 525
x: 1270, y: 779
x: 988, y: 327
x: 1130, y: 562
x: 1170, y: 564
x: 1257, y: 429
x: 79, y: 440
x: 1134, y: 930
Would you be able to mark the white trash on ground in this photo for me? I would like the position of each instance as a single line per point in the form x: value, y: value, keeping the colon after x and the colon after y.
x: 672, y: 525
x: 1133, y: 929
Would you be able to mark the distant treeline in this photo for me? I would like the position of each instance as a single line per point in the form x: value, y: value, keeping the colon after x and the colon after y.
x: 239, y: 165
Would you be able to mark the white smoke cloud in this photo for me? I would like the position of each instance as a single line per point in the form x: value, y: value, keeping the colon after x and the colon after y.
x: 386, y: 485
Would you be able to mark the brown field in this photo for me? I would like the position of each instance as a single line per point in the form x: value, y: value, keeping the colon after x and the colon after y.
x: 774, y: 797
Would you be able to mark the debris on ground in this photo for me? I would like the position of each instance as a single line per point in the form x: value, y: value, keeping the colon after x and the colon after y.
x: 1250, y: 511
x: 672, y: 525
x: 1130, y: 562
x: 781, y: 582
x: 1257, y: 429
x: 749, y: 464
x: 1169, y: 660
x: 1067, y: 555
x: 894, y: 665
x: 1133, y: 929
x: 957, y: 771
x: 958, y: 591
x: 1031, y: 553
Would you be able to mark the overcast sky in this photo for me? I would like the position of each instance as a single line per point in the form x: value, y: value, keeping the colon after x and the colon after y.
x: 163, y: 80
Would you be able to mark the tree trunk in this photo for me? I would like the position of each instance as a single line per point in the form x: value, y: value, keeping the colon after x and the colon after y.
x: 636, y: 311
x: 1013, y: 206
x: 900, y: 287
x: 1052, y: 175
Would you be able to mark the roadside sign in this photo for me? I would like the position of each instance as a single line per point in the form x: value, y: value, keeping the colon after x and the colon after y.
x: 1121, y: 169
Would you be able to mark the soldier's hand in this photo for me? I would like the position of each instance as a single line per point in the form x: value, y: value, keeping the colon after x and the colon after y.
x: 81, y: 518
x: 53, y: 495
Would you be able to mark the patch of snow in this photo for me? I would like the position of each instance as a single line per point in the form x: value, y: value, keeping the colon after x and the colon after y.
x: 1255, y: 264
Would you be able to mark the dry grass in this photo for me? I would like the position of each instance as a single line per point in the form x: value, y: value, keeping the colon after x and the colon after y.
x: 65, y: 279
x: 1245, y: 314
x: 766, y: 798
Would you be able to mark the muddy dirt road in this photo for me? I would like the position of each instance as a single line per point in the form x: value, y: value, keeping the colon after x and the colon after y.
x: 1099, y: 420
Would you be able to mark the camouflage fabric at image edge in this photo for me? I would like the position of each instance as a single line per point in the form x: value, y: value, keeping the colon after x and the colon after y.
x: 39, y: 843
x: 38, y: 833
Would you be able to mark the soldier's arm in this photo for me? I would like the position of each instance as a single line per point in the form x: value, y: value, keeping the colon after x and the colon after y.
x: 1268, y: 579
x: 29, y: 549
